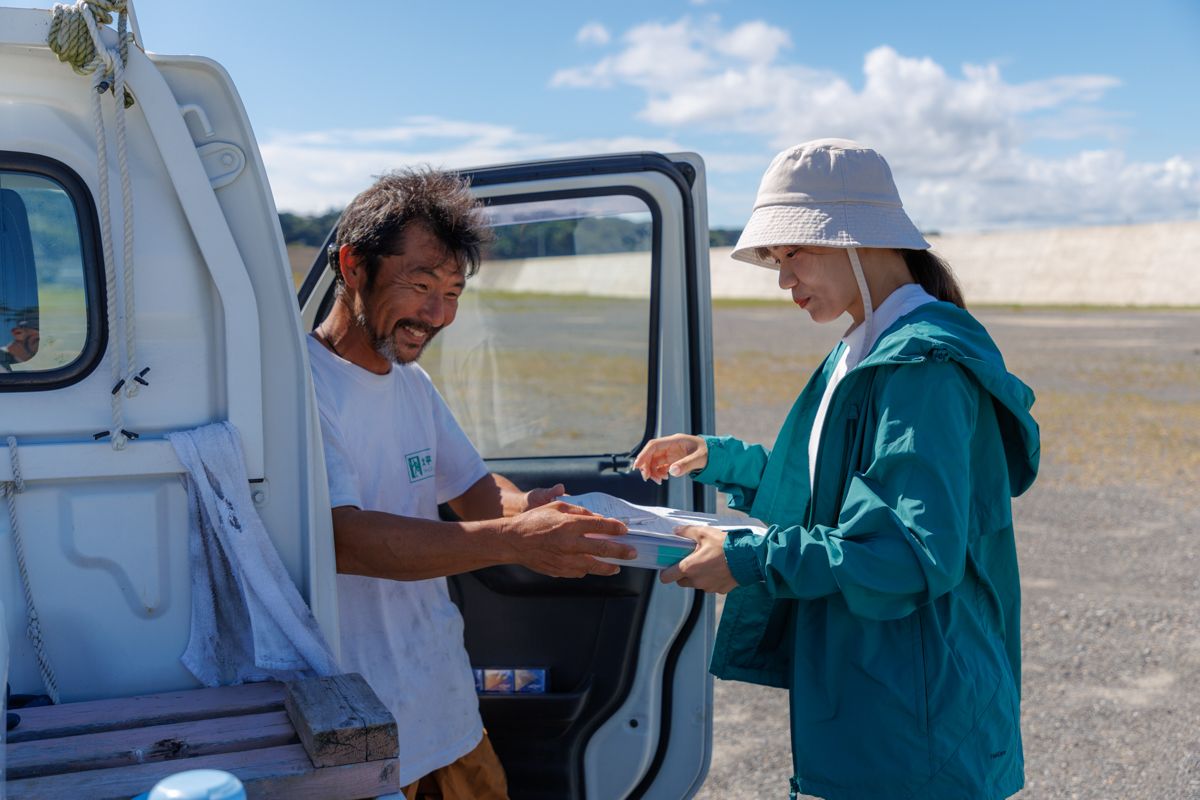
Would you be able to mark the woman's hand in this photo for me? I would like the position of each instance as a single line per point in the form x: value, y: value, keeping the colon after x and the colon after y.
x: 706, y: 568
x: 671, y: 455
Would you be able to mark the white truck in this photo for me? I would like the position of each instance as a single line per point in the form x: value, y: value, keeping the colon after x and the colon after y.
x: 586, y: 332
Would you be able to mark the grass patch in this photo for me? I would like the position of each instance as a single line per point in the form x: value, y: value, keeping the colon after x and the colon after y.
x: 542, y: 301
x: 1109, y: 438
x: 751, y: 302
x: 1134, y: 374
x: 526, y: 402
x: 756, y: 379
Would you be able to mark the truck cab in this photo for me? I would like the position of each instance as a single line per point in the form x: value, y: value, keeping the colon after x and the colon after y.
x: 145, y: 289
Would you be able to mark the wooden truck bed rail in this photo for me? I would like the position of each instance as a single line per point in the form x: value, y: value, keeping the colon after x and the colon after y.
x: 327, y: 738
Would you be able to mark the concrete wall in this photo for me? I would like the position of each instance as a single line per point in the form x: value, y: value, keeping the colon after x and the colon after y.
x: 611, y: 275
x: 1127, y: 265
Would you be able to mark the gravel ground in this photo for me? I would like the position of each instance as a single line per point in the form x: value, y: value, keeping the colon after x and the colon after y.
x: 1109, y: 542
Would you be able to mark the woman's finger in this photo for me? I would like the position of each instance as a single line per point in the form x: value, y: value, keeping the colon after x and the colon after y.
x: 651, y: 449
x: 692, y: 461
x: 650, y: 461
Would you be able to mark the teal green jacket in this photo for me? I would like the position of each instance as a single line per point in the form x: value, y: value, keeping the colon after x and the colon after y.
x: 886, y: 600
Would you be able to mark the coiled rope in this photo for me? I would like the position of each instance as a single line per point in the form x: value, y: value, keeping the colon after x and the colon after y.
x: 72, y: 39
x: 33, y: 627
x: 75, y: 37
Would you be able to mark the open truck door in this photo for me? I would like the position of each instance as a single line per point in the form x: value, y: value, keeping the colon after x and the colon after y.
x: 585, y: 333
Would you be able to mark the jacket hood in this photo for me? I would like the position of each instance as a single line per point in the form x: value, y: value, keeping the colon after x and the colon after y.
x: 942, y: 331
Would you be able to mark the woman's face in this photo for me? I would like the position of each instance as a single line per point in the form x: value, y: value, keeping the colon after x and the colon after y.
x: 820, y: 279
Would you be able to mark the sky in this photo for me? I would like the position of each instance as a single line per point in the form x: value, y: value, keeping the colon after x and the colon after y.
x: 992, y: 115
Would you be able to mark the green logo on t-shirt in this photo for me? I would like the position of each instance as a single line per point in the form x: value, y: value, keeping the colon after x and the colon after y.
x: 420, y: 465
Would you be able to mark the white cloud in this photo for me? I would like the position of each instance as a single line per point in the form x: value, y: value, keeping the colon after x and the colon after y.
x: 318, y: 170
x: 655, y: 57
x: 958, y: 143
x: 593, y: 33
x: 1091, y: 187
x: 753, y: 41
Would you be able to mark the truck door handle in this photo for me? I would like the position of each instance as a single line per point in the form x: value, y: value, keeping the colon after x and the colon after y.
x: 622, y: 465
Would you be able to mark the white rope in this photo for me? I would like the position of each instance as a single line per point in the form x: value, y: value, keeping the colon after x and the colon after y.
x: 868, y: 311
x: 111, y: 65
x: 33, y: 628
x: 131, y: 384
x: 110, y: 272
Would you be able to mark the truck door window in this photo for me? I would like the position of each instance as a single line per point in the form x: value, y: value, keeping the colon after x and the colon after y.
x: 44, y: 283
x: 550, y: 352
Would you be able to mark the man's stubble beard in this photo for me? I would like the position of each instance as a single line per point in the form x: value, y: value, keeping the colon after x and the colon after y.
x: 385, y: 345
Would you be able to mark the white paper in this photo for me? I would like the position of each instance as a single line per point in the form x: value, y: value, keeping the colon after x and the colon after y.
x: 652, y: 528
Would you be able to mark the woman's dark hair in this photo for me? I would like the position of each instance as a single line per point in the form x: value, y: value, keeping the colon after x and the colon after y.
x: 374, y: 223
x: 935, y: 276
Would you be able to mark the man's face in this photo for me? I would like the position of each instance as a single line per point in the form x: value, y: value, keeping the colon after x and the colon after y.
x: 28, y: 340
x: 414, y: 295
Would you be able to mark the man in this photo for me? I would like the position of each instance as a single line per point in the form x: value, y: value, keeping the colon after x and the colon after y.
x: 393, y: 452
x: 26, y: 337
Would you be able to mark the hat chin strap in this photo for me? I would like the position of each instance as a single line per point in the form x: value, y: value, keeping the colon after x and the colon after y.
x: 868, y: 311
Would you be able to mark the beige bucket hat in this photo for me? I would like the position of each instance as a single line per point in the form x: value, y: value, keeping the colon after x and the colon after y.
x: 831, y: 193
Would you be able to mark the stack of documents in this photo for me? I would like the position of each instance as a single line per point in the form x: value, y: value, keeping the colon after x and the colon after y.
x: 652, y: 528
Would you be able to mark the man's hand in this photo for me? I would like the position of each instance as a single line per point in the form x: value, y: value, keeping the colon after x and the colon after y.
x: 535, y: 498
x: 671, y: 455
x: 557, y: 539
x: 495, y: 496
x: 706, y: 568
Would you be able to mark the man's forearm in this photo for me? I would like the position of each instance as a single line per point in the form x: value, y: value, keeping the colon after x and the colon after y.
x: 380, y: 545
x: 490, y: 497
x: 555, y: 539
x: 512, y: 500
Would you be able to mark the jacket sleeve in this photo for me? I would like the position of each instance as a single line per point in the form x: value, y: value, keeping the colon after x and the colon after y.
x: 735, y: 468
x: 901, y: 534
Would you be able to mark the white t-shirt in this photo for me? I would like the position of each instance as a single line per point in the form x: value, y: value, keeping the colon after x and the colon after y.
x: 392, y: 444
x: 908, y: 297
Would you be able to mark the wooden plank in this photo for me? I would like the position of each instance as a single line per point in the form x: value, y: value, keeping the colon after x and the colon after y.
x: 347, y: 782
x: 153, y: 743
x: 71, y: 719
x: 272, y: 773
x: 340, y: 720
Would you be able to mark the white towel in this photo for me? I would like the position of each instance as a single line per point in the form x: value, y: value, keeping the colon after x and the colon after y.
x: 248, y: 620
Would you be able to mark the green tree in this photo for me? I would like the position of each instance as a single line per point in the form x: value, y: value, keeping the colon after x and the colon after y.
x: 307, y: 230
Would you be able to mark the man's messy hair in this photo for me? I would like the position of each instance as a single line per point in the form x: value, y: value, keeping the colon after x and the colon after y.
x: 374, y: 223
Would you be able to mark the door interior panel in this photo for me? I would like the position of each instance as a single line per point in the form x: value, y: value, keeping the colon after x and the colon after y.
x: 585, y: 632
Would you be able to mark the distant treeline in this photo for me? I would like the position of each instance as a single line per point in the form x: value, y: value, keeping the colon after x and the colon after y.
x: 723, y: 237
x: 310, y: 231
x: 558, y: 238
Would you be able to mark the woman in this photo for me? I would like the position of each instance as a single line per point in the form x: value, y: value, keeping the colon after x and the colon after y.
x: 884, y: 595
